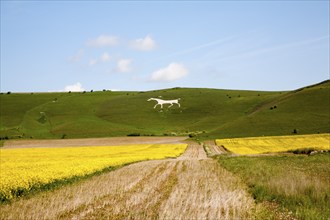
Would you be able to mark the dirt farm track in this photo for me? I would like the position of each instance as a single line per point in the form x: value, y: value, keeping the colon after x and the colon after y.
x: 191, y: 186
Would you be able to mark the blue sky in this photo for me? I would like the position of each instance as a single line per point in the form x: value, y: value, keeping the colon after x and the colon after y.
x: 250, y: 45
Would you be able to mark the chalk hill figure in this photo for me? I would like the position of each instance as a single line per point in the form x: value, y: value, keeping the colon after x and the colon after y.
x: 161, y: 102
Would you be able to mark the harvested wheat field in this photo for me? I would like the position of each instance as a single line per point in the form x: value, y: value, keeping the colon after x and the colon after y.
x: 189, y: 187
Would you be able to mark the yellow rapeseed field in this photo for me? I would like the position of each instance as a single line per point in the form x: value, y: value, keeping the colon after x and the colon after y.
x: 259, y: 145
x: 26, y: 168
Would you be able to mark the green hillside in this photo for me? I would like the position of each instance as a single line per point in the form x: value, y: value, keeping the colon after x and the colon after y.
x: 210, y: 113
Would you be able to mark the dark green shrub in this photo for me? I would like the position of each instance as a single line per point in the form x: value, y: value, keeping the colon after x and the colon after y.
x: 134, y: 134
x: 191, y: 135
x: 307, y: 151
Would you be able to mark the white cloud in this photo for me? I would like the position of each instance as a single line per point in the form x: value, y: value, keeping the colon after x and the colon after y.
x: 92, y: 62
x: 77, y: 87
x: 124, y: 65
x: 172, y: 72
x: 103, y: 41
x: 143, y: 44
x: 78, y: 56
x: 105, y: 57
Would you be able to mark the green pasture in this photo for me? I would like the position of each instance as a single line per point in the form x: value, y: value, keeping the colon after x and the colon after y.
x: 204, y: 113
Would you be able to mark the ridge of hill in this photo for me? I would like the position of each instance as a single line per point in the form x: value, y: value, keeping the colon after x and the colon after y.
x: 207, y: 113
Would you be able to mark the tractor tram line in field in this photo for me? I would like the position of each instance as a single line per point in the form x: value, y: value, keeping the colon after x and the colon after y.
x: 174, y: 189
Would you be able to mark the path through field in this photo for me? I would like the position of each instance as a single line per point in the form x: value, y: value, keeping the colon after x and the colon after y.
x: 189, y: 187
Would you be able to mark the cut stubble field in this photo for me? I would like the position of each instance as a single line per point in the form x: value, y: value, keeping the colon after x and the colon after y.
x: 158, y: 189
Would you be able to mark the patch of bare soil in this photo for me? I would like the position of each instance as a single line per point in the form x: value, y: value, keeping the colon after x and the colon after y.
x: 272, y: 210
x: 112, y: 141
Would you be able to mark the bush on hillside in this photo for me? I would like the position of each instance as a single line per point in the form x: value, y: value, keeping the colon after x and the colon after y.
x: 134, y: 134
x: 191, y: 135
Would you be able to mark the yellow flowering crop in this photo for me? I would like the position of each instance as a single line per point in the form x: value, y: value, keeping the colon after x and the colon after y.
x: 26, y: 168
x: 258, y: 145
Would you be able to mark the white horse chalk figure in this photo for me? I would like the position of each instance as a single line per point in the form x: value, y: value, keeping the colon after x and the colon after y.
x: 161, y: 102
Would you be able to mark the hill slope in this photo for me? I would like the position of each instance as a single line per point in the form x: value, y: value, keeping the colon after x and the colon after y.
x: 211, y: 113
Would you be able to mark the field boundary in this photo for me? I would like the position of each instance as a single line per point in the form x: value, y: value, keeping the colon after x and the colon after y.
x: 81, y: 142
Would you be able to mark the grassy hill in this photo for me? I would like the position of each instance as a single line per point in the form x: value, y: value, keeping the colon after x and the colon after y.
x: 210, y: 113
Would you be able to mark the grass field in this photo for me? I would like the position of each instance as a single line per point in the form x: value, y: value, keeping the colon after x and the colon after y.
x: 207, y: 113
x: 26, y: 169
x: 260, y: 145
x: 298, y: 183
